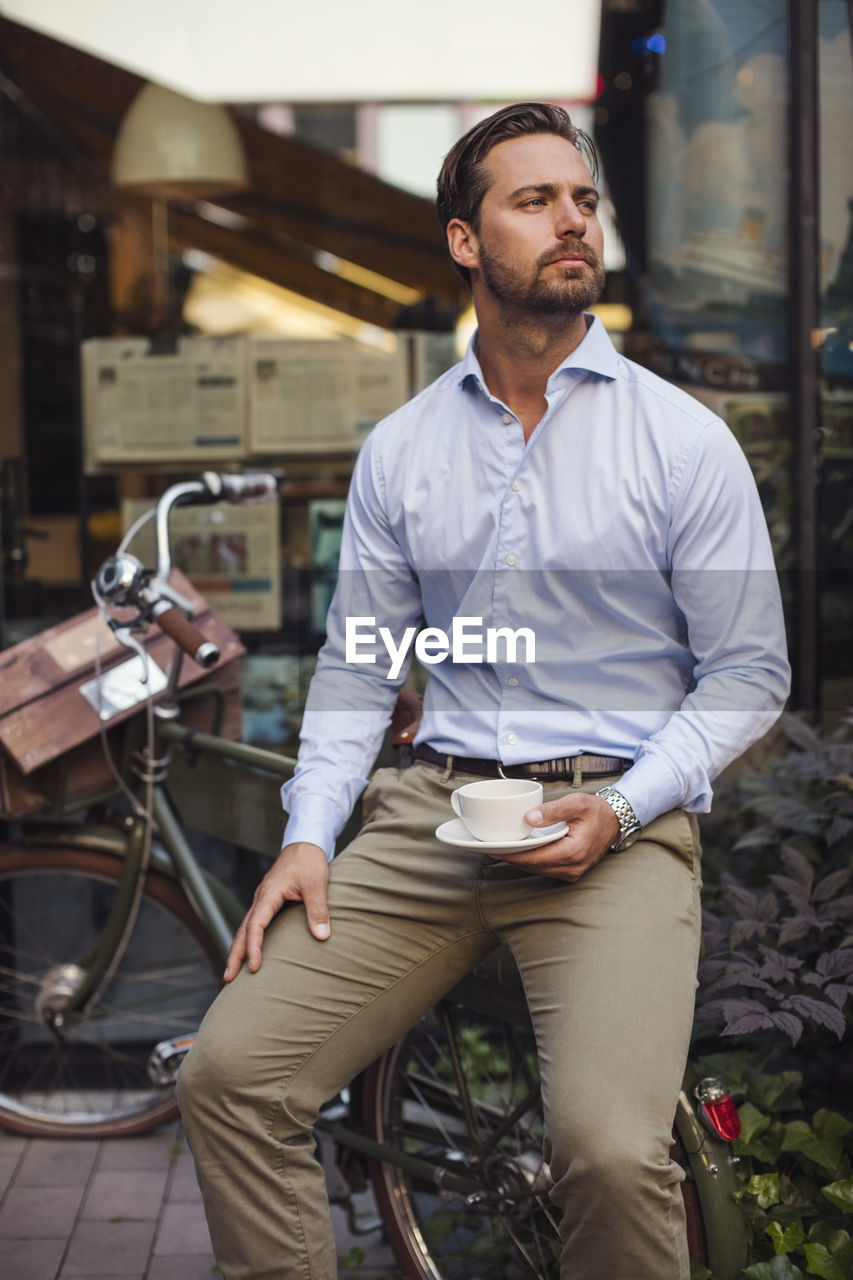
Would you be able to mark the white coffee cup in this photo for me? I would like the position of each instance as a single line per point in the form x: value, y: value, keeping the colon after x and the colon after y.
x: 494, y: 809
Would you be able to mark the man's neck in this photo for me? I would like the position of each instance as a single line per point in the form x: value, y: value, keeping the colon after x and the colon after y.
x: 518, y: 354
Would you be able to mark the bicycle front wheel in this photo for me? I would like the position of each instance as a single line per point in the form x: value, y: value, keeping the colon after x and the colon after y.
x: 88, y: 1077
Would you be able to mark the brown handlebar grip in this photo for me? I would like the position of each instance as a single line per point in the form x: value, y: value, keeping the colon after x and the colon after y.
x: 187, y: 635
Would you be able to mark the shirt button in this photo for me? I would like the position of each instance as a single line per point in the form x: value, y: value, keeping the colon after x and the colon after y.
x: 512, y: 738
x: 507, y: 418
x: 511, y: 559
x: 513, y: 680
x: 515, y: 486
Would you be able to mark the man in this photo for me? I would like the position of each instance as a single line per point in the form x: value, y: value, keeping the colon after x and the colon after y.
x: 545, y: 483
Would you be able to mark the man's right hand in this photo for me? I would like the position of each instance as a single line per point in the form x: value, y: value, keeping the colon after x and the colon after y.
x: 299, y: 874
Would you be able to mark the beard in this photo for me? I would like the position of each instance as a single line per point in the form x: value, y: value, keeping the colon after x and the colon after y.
x: 571, y: 291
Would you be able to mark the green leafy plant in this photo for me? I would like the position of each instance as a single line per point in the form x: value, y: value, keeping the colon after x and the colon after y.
x: 776, y: 982
x: 795, y: 1173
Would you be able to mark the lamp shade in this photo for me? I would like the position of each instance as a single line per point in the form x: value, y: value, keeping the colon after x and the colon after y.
x: 172, y: 145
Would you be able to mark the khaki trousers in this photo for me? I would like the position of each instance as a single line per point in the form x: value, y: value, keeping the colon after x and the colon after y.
x: 608, y: 966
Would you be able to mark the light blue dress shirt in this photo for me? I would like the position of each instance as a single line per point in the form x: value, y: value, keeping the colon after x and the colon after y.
x: 627, y: 535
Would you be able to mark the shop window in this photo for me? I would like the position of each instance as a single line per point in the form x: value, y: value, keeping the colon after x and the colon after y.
x: 696, y: 126
x: 835, y: 350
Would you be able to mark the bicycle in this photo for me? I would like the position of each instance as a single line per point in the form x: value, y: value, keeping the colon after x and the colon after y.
x: 98, y: 1005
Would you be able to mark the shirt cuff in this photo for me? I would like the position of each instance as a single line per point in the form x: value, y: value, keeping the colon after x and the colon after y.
x: 652, y: 789
x: 315, y: 819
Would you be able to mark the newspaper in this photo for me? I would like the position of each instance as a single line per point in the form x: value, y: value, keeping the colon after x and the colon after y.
x: 314, y: 396
x: 140, y: 405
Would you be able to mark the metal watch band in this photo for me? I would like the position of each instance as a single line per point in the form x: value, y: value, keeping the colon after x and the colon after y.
x: 629, y: 825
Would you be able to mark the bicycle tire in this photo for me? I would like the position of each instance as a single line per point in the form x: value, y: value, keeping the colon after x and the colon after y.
x: 413, y: 1100
x: 90, y: 1080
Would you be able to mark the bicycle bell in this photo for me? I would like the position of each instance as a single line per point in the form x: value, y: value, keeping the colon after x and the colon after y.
x: 119, y: 579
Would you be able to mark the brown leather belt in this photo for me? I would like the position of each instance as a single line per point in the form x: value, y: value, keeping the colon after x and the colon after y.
x: 569, y: 768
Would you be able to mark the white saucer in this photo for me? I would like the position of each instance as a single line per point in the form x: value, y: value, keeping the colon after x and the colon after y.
x: 456, y: 833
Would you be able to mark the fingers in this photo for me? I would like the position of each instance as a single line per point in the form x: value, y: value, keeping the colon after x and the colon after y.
x: 581, y: 810
x: 592, y: 829
x: 248, y: 940
x: 258, y: 919
x: 564, y: 859
x: 236, y: 954
x: 316, y: 907
x: 299, y: 874
x: 563, y: 809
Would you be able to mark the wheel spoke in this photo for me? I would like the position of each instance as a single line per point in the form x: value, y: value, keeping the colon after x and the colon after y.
x: 90, y: 1073
x: 461, y: 1091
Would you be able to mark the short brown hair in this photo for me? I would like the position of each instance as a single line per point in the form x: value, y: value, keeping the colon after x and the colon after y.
x: 463, y: 180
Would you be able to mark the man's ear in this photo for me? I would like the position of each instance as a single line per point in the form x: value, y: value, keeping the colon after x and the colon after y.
x: 463, y: 243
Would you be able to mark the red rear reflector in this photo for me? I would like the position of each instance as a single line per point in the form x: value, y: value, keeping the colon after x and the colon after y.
x: 723, y: 1118
x: 718, y: 1109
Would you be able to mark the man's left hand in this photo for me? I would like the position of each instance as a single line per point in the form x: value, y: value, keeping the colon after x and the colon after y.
x: 593, y: 828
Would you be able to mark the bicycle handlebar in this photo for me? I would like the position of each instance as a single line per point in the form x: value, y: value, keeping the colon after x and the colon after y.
x: 210, y: 487
x: 187, y: 635
x: 258, y: 486
x: 123, y: 580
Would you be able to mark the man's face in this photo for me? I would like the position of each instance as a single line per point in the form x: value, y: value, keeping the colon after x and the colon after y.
x: 538, y: 244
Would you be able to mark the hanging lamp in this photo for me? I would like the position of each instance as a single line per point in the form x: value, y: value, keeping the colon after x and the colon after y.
x: 170, y: 145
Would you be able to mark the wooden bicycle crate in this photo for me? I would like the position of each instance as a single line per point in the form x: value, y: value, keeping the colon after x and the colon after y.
x: 46, y: 722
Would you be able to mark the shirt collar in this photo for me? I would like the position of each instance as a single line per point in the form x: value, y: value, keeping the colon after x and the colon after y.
x: 596, y: 353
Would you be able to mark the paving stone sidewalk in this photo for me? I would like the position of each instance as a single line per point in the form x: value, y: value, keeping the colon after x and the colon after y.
x: 123, y: 1209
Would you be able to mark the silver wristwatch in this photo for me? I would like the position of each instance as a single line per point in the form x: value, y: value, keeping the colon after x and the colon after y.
x: 629, y: 825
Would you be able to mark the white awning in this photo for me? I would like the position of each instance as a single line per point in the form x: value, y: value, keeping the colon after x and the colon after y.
x: 338, y: 50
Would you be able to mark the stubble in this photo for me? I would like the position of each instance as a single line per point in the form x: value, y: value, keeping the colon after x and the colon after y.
x: 568, y: 291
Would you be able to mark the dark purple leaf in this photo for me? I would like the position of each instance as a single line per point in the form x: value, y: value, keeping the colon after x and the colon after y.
x: 840, y: 909
x: 749, y: 1023
x: 787, y: 1023
x: 797, y: 893
x: 743, y: 930
x: 743, y: 900
x: 768, y: 907
x: 775, y: 975
x: 757, y: 838
x: 797, y: 865
x: 734, y: 978
x: 839, y: 993
x: 778, y: 967
x: 832, y: 964
x: 830, y: 886
x: 797, y: 927
x: 745, y: 1016
x: 839, y: 829
x: 818, y: 1012
x: 710, y: 1011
